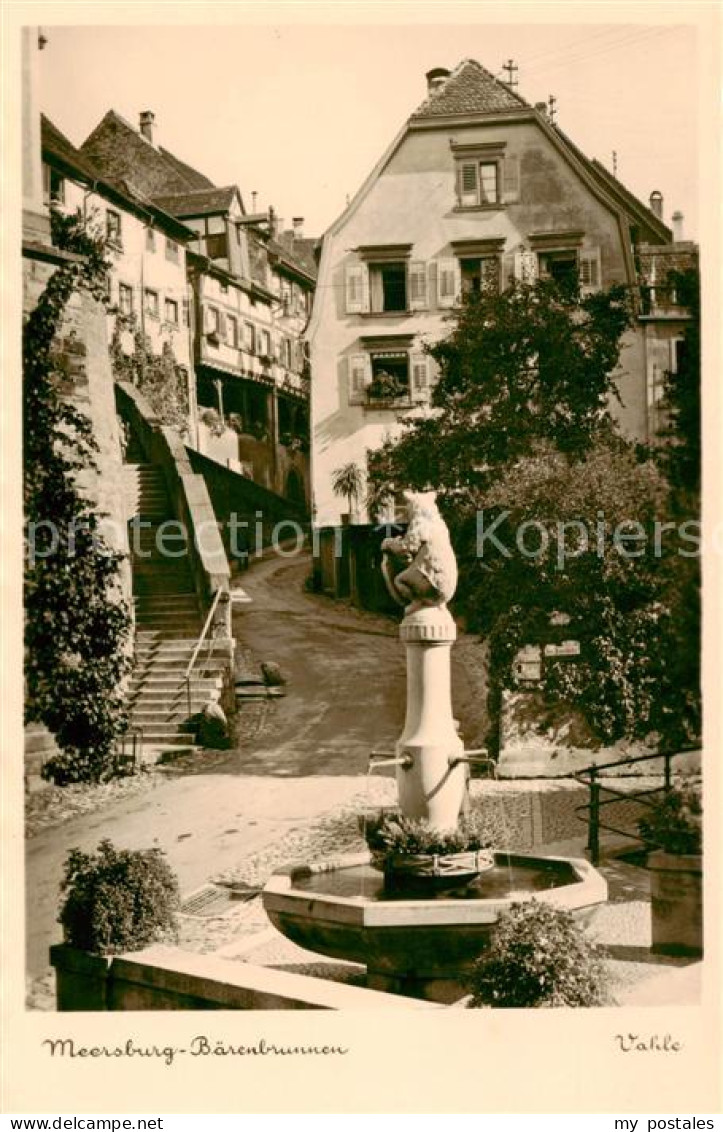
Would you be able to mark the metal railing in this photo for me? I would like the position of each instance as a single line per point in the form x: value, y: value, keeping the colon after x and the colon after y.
x: 595, y: 803
x: 207, y: 625
x: 123, y: 762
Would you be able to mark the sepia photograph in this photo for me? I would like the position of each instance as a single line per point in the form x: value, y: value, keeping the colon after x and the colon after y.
x: 361, y: 460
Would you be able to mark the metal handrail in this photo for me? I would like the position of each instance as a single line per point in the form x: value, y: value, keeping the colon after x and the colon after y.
x: 194, y: 656
x: 595, y: 803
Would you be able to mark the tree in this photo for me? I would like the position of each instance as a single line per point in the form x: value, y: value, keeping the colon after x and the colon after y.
x: 530, y: 363
x: 348, y: 482
x: 77, y: 626
x: 520, y: 439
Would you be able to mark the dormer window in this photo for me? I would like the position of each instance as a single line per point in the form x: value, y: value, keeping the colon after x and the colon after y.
x: 478, y: 183
x: 485, y: 176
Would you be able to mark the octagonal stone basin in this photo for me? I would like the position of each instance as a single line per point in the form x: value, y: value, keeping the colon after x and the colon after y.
x: 414, y: 943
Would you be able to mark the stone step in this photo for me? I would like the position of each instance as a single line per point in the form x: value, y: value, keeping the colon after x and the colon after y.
x: 166, y: 604
x: 168, y: 634
x: 170, y: 617
x: 152, y: 675
x: 173, y: 700
x: 160, y: 753
x: 148, y: 659
x: 150, y: 718
x: 170, y: 734
x: 175, y: 600
x: 148, y: 583
x: 131, y: 471
x: 204, y: 668
x: 182, y: 627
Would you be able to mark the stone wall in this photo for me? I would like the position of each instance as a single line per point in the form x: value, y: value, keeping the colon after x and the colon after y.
x: 165, y: 978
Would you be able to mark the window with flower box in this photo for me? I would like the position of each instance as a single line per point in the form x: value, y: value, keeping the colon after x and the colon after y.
x: 389, y: 375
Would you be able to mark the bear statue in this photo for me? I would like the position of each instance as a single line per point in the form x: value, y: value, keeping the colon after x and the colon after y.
x: 419, y: 567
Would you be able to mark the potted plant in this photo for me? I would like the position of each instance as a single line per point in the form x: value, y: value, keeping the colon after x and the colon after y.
x: 115, y: 900
x: 673, y: 831
x: 385, y: 387
x: 411, y: 852
x: 539, y: 956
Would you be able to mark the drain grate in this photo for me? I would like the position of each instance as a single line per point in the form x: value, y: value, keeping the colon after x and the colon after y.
x: 214, y: 901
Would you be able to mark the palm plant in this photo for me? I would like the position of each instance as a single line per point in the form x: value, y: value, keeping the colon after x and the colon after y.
x: 347, y: 482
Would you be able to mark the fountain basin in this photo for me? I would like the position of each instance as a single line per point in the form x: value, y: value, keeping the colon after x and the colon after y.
x: 414, y: 943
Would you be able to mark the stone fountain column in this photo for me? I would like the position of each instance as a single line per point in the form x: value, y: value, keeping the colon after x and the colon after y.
x: 429, y: 787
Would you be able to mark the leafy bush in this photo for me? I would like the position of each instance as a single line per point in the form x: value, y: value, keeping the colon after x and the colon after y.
x: 159, y: 377
x: 118, y: 900
x: 675, y: 822
x: 394, y: 835
x: 539, y: 956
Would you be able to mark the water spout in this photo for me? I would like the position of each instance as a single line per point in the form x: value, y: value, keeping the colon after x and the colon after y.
x: 478, y: 756
x: 382, y: 758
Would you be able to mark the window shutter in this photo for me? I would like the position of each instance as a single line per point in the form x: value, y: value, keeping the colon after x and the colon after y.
x: 467, y: 188
x: 510, y: 180
x: 359, y: 376
x: 525, y: 267
x: 418, y: 285
x: 420, y: 375
x: 589, y: 270
x: 221, y: 324
x: 357, y: 289
x: 448, y: 281
x: 209, y: 320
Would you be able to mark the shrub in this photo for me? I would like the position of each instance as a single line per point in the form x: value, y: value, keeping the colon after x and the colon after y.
x: 118, y: 899
x: 539, y: 956
x: 675, y: 822
x: 394, y: 835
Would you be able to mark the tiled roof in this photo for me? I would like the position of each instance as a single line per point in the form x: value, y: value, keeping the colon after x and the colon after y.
x: 299, y: 249
x: 197, y: 203
x: 55, y: 144
x: 470, y: 89
x: 122, y: 152
x: 195, y: 179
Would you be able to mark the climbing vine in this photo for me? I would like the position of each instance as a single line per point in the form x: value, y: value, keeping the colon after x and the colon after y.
x: 159, y: 377
x: 77, y: 625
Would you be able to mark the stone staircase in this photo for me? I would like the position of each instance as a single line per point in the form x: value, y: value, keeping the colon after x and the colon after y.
x: 168, y: 617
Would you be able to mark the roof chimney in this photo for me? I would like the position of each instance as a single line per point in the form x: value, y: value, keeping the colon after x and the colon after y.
x: 677, y: 219
x: 656, y: 204
x: 298, y: 226
x: 436, y: 78
x: 542, y: 108
x: 147, y: 124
